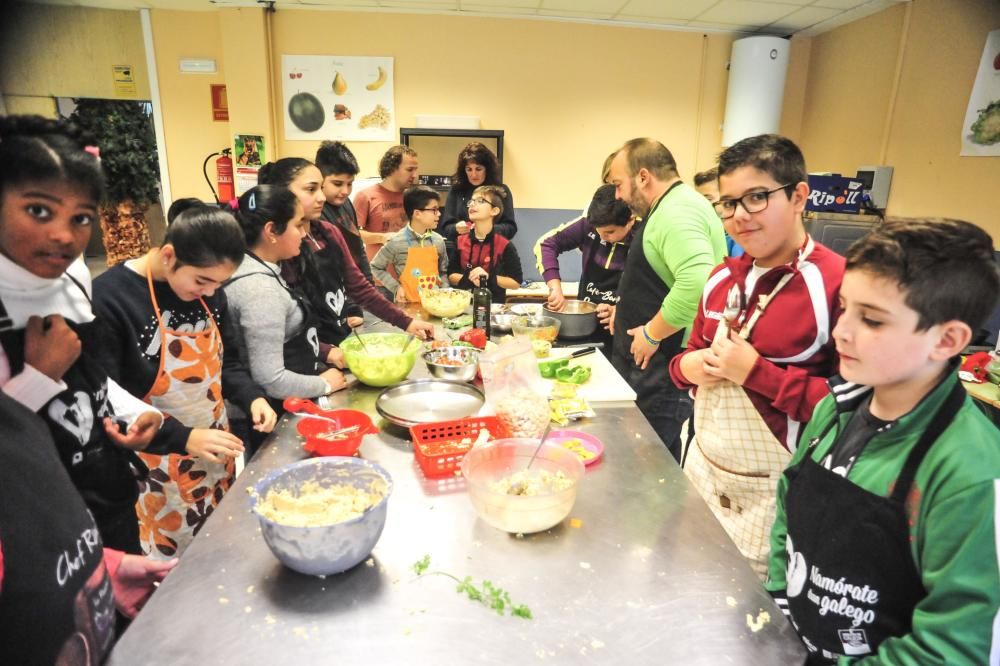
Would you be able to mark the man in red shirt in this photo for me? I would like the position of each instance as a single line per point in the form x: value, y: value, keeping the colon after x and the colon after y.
x: 380, y: 207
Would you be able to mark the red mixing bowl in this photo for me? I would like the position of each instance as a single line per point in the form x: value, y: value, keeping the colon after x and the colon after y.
x: 315, y: 429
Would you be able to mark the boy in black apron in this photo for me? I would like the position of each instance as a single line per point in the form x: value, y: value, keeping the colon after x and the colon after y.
x: 885, y: 541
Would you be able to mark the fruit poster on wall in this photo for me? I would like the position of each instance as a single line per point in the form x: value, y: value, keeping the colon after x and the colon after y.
x: 981, y: 130
x: 338, y: 97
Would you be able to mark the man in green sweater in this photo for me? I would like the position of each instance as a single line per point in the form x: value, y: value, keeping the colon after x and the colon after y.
x: 671, y: 255
x: 884, y: 548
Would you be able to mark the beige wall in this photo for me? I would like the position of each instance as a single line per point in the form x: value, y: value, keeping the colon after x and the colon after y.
x: 48, y: 52
x: 185, y: 99
x: 929, y: 50
x: 565, y: 94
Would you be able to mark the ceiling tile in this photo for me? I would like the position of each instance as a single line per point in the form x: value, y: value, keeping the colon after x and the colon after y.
x: 605, y: 7
x: 505, y: 6
x: 804, y: 18
x: 420, y: 4
x: 568, y: 13
x: 839, y: 4
x: 745, y: 12
x: 669, y: 9
x: 721, y: 27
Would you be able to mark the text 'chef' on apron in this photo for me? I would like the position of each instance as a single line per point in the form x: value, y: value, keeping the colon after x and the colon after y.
x: 182, y: 491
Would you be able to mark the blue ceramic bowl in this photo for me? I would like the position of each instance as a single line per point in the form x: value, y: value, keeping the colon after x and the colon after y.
x: 326, y: 549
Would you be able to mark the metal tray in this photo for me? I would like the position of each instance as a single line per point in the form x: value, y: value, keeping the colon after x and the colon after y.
x: 428, y: 401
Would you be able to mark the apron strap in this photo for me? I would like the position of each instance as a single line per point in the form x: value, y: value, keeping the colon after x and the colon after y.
x: 6, y: 323
x: 77, y: 283
x: 941, y: 420
x: 762, y: 302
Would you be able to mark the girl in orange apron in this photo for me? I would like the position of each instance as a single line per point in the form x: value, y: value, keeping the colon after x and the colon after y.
x: 168, y: 329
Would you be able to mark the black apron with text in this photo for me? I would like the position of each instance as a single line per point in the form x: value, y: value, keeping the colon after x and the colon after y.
x: 329, y: 297
x: 101, y: 470
x: 597, y: 283
x: 56, y: 602
x: 851, y: 578
x: 600, y: 285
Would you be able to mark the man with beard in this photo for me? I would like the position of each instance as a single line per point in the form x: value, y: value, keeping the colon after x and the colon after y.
x: 671, y: 255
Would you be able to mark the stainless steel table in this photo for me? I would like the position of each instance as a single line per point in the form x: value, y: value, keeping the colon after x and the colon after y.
x: 644, y: 575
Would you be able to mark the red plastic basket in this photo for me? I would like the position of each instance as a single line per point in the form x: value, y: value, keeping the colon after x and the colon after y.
x: 437, y: 447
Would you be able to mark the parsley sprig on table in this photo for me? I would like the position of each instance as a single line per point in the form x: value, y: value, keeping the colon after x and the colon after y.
x: 488, y: 594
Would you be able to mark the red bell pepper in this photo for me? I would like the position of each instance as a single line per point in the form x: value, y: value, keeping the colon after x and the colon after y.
x: 475, y: 337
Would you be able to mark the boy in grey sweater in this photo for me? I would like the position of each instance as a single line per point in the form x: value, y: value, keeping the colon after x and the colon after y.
x: 415, y: 250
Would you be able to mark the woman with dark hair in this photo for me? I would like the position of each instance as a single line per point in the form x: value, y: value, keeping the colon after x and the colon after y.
x: 273, y: 319
x: 170, y: 339
x: 325, y: 270
x: 477, y: 166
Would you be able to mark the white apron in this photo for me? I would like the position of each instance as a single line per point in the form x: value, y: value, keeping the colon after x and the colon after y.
x: 735, y: 460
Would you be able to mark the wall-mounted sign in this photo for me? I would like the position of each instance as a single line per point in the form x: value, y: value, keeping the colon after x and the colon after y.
x: 249, y: 152
x: 338, y: 97
x: 220, y: 102
x: 123, y: 78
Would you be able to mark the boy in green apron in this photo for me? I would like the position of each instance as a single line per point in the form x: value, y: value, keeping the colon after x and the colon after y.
x: 886, y: 537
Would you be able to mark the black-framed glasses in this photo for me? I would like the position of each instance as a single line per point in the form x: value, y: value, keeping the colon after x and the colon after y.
x: 478, y: 200
x: 752, y: 202
x: 430, y: 210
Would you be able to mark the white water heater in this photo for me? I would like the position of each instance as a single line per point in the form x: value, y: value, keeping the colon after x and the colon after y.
x: 756, y: 87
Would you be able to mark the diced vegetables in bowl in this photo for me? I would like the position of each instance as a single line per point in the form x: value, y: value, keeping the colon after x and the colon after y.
x: 445, y: 302
x: 379, y: 359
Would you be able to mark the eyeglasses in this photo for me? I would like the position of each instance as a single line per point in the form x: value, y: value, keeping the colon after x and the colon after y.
x: 478, y: 200
x: 430, y: 210
x: 752, y: 202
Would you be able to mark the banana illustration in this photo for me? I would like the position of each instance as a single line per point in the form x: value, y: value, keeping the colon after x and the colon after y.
x: 339, y: 84
x: 379, y: 82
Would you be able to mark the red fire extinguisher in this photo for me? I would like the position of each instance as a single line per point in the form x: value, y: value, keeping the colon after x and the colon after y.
x: 224, y: 176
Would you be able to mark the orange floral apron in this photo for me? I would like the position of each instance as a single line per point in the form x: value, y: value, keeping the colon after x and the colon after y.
x: 735, y: 460
x: 421, y: 263
x: 182, y: 491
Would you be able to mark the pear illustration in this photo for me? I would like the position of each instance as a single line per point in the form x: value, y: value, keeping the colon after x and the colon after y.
x: 339, y: 84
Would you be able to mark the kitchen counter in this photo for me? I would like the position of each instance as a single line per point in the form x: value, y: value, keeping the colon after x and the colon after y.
x: 641, y: 573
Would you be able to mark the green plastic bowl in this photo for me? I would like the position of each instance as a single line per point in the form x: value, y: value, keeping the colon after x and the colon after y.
x: 382, y: 361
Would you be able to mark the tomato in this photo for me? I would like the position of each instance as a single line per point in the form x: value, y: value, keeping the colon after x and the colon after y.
x: 306, y: 112
x: 996, y: 62
x: 475, y: 336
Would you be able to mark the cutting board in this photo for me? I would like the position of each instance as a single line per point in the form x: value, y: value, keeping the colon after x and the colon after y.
x: 605, y: 384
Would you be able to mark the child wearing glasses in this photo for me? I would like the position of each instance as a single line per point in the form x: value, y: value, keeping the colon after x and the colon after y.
x: 414, y: 251
x: 483, y: 256
x: 760, y: 348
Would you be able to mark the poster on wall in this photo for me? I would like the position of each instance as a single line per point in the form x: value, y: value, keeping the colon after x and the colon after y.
x: 981, y: 129
x: 338, y: 97
x: 249, y: 152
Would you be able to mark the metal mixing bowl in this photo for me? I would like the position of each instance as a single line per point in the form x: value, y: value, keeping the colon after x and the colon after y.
x: 327, y: 549
x: 466, y: 372
x: 501, y: 322
x: 578, y: 319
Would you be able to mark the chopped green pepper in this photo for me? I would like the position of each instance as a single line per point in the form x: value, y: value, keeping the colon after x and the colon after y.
x: 549, y: 368
x: 574, y: 374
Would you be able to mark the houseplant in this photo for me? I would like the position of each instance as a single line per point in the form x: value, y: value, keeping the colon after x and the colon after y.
x: 124, y: 133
